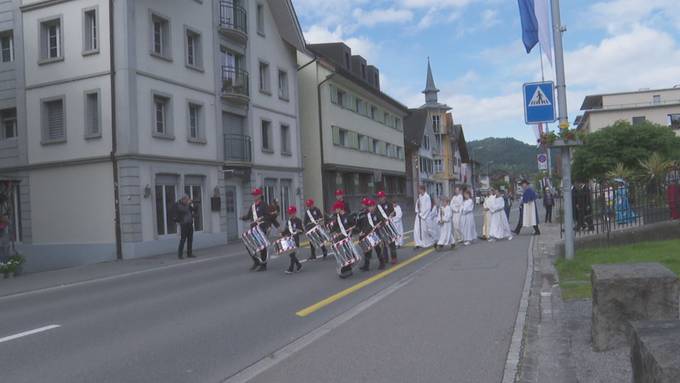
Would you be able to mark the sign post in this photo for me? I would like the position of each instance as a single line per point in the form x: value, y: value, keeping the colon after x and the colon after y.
x: 542, y: 160
x: 539, y: 102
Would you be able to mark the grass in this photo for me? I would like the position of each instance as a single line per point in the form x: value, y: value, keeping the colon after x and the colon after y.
x: 575, y: 275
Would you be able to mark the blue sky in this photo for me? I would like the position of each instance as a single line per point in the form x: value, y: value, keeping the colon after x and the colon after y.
x: 478, y: 59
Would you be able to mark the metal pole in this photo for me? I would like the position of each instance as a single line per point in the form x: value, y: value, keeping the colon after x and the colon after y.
x: 558, y: 30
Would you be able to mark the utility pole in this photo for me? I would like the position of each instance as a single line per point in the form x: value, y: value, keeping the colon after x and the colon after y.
x: 561, y: 85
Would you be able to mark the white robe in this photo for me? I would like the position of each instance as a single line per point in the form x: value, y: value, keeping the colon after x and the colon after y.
x: 467, y: 221
x: 499, y: 227
x: 529, y: 218
x: 445, y: 232
x: 421, y: 235
x: 488, y: 202
x: 398, y: 224
x: 456, y: 207
x: 433, y: 223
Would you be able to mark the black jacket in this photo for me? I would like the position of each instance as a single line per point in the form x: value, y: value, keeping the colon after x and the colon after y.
x: 296, y: 224
x: 262, y: 211
x: 388, y: 207
x: 317, y: 214
x: 347, y: 221
x: 364, y: 226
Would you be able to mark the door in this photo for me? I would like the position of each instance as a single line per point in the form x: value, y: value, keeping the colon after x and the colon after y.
x: 230, y: 198
x: 285, y: 197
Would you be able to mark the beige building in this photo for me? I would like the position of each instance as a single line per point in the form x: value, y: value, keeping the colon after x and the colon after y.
x: 660, y: 106
x: 352, y: 133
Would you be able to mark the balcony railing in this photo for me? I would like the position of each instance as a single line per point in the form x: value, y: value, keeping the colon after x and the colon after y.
x: 233, y: 19
x: 234, y: 83
x: 237, y: 148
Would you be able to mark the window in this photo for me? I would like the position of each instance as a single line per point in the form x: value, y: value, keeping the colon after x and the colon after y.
x: 656, y: 99
x: 639, y: 120
x: 363, y: 143
x: 674, y: 121
x: 266, y: 128
x: 90, y: 31
x: 51, y: 41
x: 334, y: 94
x: 260, y: 19
x: 7, y: 46
x: 53, y: 121
x: 283, y: 85
x: 161, y: 111
x: 92, y: 115
x: 436, y: 124
x: 426, y: 142
x: 374, y: 112
x: 265, y: 86
x: 343, y: 137
x: 195, y: 122
x: 285, y: 140
x: 341, y: 97
x: 397, y: 123
x: 193, y: 46
x: 165, y: 209
x: 8, y: 119
x: 400, y: 153
x: 386, y: 118
x: 438, y: 168
x: 194, y: 192
x: 160, y: 37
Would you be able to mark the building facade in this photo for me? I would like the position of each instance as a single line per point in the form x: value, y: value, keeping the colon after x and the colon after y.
x: 660, y: 106
x: 112, y: 131
x: 352, y: 132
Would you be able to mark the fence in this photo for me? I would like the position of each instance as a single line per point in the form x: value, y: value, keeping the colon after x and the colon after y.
x: 600, y: 208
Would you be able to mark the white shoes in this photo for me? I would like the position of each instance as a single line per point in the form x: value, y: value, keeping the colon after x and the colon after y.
x: 466, y: 243
x: 510, y: 238
x: 492, y: 240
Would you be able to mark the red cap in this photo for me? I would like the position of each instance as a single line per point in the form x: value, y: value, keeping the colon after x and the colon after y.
x: 256, y: 192
x: 338, y: 205
x: 292, y: 210
x: 381, y: 194
x: 364, y: 201
x: 370, y: 202
x: 339, y: 192
x: 309, y: 202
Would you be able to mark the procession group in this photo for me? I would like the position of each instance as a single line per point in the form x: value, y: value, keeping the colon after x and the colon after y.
x: 352, y: 237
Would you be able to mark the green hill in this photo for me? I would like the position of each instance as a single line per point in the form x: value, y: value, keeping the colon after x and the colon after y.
x: 508, y: 155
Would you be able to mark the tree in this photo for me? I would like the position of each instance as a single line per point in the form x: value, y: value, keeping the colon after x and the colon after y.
x: 620, y: 171
x: 623, y: 143
x: 655, y: 167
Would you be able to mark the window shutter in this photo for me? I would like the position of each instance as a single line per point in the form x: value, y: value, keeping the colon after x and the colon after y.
x: 354, y: 140
x: 336, y: 135
x: 334, y: 94
x: 55, y: 120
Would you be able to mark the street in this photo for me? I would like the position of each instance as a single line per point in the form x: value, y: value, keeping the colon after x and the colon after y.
x: 206, y: 321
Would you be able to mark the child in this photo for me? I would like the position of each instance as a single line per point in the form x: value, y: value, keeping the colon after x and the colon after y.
x: 293, y: 228
x: 499, y: 228
x: 445, y: 217
x: 397, y: 221
x: 467, y: 219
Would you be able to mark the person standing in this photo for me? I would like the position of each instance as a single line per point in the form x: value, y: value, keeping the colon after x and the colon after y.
x: 313, y: 217
x: 507, y: 200
x: 456, y: 207
x: 185, y: 219
x: 528, y: 216
x: 369, y: 222
x: 488, y: 202
x: 548, y: 203
x: 499, y: 227
x: 467, y: 219
x: 386, y: 210
x: 258, y: 215
x: 421, y: 235
x: 445, y: 230
x: 293, y: 228
x: 397, y: 221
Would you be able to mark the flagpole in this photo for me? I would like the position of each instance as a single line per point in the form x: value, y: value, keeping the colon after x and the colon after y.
x: 547, y: 129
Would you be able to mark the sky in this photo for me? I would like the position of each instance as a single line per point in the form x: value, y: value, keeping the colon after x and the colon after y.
x: 479, y: 62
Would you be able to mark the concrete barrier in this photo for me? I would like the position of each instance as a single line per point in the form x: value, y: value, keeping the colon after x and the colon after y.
x: 655, y: 351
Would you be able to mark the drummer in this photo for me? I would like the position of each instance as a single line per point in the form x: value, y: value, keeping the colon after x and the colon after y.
x: 370, y: 220
x: 386, y: 209
x: 313, y: 217
x: 293, y: 228
x: 341, y: 228
x: 340, y: 197
x: 258, y: 214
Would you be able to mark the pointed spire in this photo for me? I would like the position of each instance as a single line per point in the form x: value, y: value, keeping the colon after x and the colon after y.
x: 430, y: 89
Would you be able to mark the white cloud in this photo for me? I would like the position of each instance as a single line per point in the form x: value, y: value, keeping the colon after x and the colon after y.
x: 360, y: 45
x: 490, y: 18
x: 381, y: 16
x: 618, y: 15
x: 436, y: 3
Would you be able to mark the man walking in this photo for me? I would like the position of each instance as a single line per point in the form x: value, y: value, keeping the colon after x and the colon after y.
x: 528, y: 213
x: 185, y: 218
x: 548, y: 203
x: 423, y: 206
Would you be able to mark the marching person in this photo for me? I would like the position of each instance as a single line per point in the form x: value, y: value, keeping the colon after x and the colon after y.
x: 342, y: 226
x: 528, y: 216
x: 184, y: 215
x: 340, y: 197
x: 548, y: 203
x: 313, y: 217
x: 293, y: 228
x: 369, y: 222
x: 423, y: 206
x: 499, y: 227
x: 258, y: 215
x: 386, y: 209
x: 488, y: 202
x: 445, y: 231
x: 467, y: 219
x: 456, y: 208
x: 397, y: 221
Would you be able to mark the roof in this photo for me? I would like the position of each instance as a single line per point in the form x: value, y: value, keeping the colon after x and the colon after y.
x: 414, y: 127
x: 462, y: 144
x: 429, y: 85
x: 594, y: 101
x: 288, y: 24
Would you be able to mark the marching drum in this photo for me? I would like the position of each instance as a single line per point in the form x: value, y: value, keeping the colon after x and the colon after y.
x: 255, y: 240
x: 318, y: 236
x: 370, y: 241
x: 346, y: 253
x: 284, y: 245
x: 388, y: 232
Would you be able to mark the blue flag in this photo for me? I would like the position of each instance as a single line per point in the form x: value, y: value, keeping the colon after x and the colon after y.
x: 527, y: 14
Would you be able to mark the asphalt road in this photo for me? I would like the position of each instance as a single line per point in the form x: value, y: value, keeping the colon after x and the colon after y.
x: 207, y: 322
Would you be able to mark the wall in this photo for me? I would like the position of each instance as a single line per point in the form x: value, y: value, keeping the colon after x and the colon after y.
x: 667, y: 95
x: 11, y: 149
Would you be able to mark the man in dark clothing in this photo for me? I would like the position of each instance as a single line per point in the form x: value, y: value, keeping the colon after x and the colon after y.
x: 313, y: 217
x: 184, y: 215
x: 342, y: 225
x: 507, y: 201
x: 370, y: 220
x: 293, y: 228
x: 259, y: 215
x: 548, y: 203
x: 386, y: 210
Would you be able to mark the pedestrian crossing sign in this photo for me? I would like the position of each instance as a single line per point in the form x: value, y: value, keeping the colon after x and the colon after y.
x: 539, y: 102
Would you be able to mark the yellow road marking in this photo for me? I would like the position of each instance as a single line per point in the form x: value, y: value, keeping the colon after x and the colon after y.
x: 335, y: 297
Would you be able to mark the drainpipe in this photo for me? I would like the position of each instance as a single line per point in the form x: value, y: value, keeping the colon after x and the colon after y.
x: 114, y: 138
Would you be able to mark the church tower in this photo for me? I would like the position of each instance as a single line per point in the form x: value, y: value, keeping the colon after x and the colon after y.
x: 430, y: 89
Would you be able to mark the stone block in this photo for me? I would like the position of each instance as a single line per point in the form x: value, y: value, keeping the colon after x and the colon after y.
x: 630, y: 292
x: 655, y: 351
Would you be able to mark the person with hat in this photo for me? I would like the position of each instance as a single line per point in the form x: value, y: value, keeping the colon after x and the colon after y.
x: 369, y: 222
x: 342, y: 226
x: 313, y: 217
x: 528, y: 210
x: 386, y: 210
x: 258, y: 215
x: 293, y: 228
x: 340, y: 197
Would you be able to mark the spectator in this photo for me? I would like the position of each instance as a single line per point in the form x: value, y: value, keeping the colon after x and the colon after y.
x: 184, y: 216
x: 548, y: 203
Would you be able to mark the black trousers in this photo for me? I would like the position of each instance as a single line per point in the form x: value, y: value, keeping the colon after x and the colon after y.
x: 313, y: 251
x: 186, y: 235
x: 518, y: 229
x: 548, y: 214
x: 369, y: 254
x: 263, y: 259
x: 293, y: 257
x: 393, y: 251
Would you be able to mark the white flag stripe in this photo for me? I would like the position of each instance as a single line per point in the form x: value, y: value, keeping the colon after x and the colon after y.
x: 542, y: 10
x: 30, y: 332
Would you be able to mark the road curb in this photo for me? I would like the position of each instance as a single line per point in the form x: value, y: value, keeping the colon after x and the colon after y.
x: 513, y: 358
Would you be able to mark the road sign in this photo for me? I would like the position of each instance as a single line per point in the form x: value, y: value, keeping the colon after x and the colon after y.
x: 539, y: 102
x: 542, y: 161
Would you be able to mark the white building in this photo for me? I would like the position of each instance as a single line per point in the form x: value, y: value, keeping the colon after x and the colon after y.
x: 170, y: 110
x: 660, y: 106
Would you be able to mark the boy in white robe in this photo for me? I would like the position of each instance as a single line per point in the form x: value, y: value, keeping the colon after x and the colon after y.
x: 421, y: 234
x: 499, y: 228
x: 397, y: 221
x: 456, y: 207
x: 433, y: 222
x: 488, y: 202
x: 445, y: 231
x: 467, y: 219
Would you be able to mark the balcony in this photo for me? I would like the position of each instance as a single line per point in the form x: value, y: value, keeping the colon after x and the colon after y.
x: 238, y: 149
x: 233, y: 21
x: 235, y: 85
